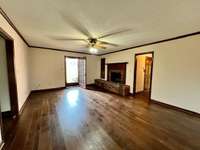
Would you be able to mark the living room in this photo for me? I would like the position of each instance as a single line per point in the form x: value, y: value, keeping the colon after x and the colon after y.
x: 133, y: 83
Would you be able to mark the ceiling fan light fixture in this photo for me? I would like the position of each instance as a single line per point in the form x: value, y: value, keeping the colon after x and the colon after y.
x: 93, y: 50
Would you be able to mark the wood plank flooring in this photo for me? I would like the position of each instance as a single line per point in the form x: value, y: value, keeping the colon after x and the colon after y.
x: 79, y: 119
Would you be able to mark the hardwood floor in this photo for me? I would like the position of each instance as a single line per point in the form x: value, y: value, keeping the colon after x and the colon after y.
x: 8, y: 124
x: 79, y: 119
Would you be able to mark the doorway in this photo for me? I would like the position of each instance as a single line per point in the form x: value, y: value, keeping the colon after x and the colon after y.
x: 75, y: 71
x: 143, y: 75
x: 8, y: 86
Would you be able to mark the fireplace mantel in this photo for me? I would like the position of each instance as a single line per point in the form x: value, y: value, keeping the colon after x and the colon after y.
x: 117, y: 67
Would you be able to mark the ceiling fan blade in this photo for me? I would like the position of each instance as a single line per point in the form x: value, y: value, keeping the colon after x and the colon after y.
x: 99, y: 47
x: 114, y: 33
x: 77, y: 25
x: 108, y: 43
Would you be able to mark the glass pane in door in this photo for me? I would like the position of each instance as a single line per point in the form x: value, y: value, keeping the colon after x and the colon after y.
x: 72, y: 70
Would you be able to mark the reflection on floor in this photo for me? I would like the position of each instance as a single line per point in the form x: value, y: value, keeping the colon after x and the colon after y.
x: 80, y: 119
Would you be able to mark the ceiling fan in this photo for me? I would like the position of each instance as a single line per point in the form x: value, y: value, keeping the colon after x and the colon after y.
x: 93, y: 43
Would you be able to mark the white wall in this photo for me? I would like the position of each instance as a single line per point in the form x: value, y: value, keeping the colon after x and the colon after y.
x: 124, y: 56
x: 47, y: 68
x: 21, y: 62
x: 4, y: 87
x: 176, y: 73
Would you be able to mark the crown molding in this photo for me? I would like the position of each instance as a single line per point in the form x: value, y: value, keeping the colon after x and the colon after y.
x: 60, y: 50
x: 2, y: 12
x: 152, y: 43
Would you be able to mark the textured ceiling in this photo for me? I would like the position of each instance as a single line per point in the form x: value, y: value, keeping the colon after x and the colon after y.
x: 39, y: 21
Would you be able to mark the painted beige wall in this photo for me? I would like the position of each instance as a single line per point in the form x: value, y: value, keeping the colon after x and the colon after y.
x: 121, y: 57
x: 47, y: 68
x: 21, y: 62
x: 176, y: 73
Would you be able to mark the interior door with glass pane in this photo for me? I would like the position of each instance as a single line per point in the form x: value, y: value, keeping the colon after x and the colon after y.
x: 82, y: 72
x: 71, y: 71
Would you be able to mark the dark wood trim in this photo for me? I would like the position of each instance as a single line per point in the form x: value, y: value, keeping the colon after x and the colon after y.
x: 71, y: 84
x: 102, y: 68
x: 85, y: 71
x: 192, y: 113
x: 125, y: 75
x: 11, y: 77
x: 117, y: 63
x: 152, y: 43
x: 134, y: 77
x: 144, y: 53
x: 61, y: 50
x: 91, y: 84
x: 2, y: 12
x: 10, y: 54
x: 135, y: 72
x: 151, y: 81
x: 65, y: 71
x: 76, y: 57
x: 49, y: 89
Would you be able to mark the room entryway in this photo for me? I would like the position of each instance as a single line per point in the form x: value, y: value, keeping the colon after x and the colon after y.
x: 143, y: 75
x: 75, y: 71
x: 8, y: 87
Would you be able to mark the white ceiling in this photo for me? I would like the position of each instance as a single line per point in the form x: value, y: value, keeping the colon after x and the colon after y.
x: 149, y: 20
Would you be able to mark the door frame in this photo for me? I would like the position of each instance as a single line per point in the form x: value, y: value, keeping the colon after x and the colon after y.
x: 65, y: 71
x: 12, y: 84
x: 135, y: 72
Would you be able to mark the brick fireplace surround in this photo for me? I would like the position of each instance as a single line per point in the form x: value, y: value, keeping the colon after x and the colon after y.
x: 117, y: 68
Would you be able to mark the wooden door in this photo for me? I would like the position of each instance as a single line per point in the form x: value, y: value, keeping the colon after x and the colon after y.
x: 147, y: 73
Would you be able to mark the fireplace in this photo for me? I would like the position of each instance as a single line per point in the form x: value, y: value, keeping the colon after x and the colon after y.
x: 116, y: 76
x: 117, y: 72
